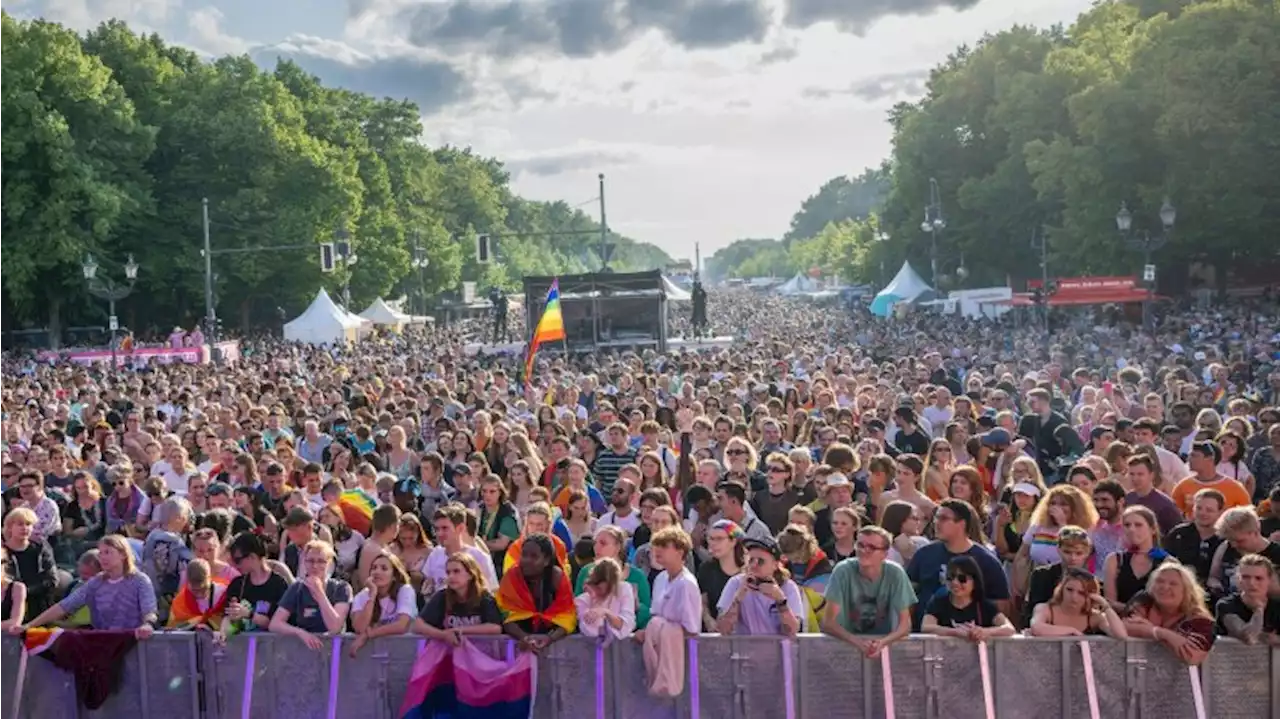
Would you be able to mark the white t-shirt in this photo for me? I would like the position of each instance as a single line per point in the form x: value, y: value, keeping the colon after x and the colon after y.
x: 435, y: 575
x: 405, y: 604
x: 678, y: 600
x: 628, y: 524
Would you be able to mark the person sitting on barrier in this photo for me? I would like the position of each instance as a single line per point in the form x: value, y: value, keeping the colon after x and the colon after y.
x: 15, y: 595
x: 254, y: 595
x: 465, y: 605
x: 610, y: 542
x: 1125, y: 572
x: 964, y: 610
x: 450, y: 524
x: 386, y: 605
x: 31, y: 561
x: 121, y: 597
x: 1076, y: 609
x: 536, y: 596
x: 1172, y: 611
x: 608, y: 606
x: 314, y: 604
x: 868, y: 595
x: 762, y: 600
x: 1250, y: 614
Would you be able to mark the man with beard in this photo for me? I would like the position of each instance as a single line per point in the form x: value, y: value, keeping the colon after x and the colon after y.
x: 1108, y: 534
x: 623, y: 515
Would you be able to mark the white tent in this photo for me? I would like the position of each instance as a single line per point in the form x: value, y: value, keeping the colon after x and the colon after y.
x: 323, y: 323
x: 798, y: 285
x: 380, y: 313
x: 675, y: 293
x: 906, y: 286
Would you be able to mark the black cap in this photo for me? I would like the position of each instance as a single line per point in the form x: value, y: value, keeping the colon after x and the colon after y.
x: 461, y: 468
x: 768, y: 544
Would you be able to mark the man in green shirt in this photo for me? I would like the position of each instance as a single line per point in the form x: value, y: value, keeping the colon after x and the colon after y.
x: 869, y: 596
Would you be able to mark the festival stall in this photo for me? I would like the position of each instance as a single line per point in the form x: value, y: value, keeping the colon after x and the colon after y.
x: 907, y: 286
x: 381, y: 314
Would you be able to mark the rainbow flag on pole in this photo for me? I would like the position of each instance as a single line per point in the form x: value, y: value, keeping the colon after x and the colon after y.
x: 465, y: 683
x: 550, y: 328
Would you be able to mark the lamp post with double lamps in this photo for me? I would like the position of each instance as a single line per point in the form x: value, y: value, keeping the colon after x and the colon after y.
x: 108, y: 289
x: 1147, y: 244
x: 934, y: 224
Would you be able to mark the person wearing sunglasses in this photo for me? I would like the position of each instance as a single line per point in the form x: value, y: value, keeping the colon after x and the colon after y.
x: 964, y: 610
x: 762, y: 600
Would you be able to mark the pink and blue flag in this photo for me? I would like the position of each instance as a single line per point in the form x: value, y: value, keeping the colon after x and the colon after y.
x: 466, y: 683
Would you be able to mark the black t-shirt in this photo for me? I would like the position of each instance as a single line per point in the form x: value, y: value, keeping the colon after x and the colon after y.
x: 262, y: 597
x: 712, y: 580
x: 1231, y: 561
x: 1186, y: 546
x: 483, y: 611
x: 982, y: 613
x: 1233, y: 604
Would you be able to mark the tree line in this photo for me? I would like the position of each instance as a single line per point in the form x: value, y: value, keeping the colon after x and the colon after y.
x: 1052, y: 129
x: 112, y: 139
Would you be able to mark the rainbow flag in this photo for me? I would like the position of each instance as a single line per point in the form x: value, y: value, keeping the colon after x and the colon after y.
x: 185, y: 612
x: 356, y: 507
x: 550, y: 328
x: 517, y: 603
x: 465, y: 683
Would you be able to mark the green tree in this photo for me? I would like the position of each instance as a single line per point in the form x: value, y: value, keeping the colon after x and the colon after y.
x: 840, y: 198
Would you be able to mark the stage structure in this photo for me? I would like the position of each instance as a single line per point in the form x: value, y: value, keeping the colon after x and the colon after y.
x: 605, y: 309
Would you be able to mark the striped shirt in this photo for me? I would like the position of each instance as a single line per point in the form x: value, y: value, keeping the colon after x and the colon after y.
x: 606, y: 467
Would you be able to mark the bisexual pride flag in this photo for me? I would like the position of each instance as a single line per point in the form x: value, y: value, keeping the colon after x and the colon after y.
x: 465, y: 683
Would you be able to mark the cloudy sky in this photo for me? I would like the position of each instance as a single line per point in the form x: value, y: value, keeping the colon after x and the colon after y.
x: 711, y: 119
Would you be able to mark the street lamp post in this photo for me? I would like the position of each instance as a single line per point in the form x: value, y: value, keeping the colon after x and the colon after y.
x: 934, y: 224
x: 1147, y: 244
x: 344, y: 253
x: 880, y: 236
x: 420, y: 263
x: 108, y: 289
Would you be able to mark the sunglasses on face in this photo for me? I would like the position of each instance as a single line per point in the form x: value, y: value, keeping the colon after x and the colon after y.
x: 736, y: 452
x: 779, y: 470
x: 959, y: 578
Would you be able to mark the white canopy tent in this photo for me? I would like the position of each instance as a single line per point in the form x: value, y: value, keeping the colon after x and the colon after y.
x: 323, y: 322
x: 380, y: 313
x: 798, y: 285
x: 906, y: 286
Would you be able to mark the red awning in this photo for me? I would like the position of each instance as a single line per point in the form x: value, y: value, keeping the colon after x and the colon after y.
x: 1117, y: 296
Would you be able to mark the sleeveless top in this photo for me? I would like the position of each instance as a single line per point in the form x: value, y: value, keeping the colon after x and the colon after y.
x: 1089, y: 631
x: 1127, y: 583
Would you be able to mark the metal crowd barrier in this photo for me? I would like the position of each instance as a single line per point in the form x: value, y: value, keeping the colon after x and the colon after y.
x: 186, y: 676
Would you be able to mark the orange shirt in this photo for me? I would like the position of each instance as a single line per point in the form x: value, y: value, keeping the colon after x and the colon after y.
x: 1184, y: 493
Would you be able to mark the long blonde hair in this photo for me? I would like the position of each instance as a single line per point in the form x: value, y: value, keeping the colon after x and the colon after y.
x: 1193, y: 596
x: 1082, y: 512
x: 121, y: 545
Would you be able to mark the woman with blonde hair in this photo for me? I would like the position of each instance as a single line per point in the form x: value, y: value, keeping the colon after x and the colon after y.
x: 1171, y: 610
x: 465, y: 606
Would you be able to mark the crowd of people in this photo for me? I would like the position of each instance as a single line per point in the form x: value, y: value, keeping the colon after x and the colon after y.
x: 829, y: 472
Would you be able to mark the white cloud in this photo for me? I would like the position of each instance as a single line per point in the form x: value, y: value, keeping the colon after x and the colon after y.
x: 205, y: 25
x: 82, y: 15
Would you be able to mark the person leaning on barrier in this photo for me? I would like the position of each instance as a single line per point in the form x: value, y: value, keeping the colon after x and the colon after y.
x: 867, y: 595
x: 121, y: 597
x: 763, y: 600
x: 1172, y: 611
x: 386, y: 605
x: 1250, y: 614
x: 964, y: 610
x: 463, y: 606
x: 313, y: 604
x: 1077, y: 608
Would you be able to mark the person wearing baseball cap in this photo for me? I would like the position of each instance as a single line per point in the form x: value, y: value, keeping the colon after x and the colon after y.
x: 763, y: 600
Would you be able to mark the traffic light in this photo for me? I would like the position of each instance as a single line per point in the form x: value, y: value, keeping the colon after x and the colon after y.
x: 326, y: 257
x: 482, y: 249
